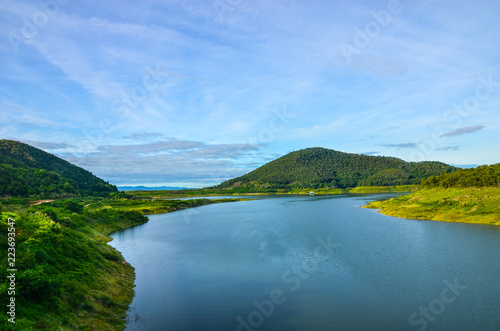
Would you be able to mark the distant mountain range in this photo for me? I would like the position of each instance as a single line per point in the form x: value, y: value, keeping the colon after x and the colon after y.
x: 320, y: 167
x: 145, y: 188
x: 26, y: 171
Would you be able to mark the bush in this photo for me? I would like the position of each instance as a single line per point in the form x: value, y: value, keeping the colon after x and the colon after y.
x: 38, y: 283
x: 73, y: 206
x: 50, y: 213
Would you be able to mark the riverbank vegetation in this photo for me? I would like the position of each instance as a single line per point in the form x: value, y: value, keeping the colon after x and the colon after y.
x: 170, y: 194
x: 156, y: 206
x: 384, y: 189
x: 68, y: 277
x: 468, y: 195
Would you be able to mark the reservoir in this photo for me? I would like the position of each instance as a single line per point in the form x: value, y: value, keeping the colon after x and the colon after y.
x: 310, y: 263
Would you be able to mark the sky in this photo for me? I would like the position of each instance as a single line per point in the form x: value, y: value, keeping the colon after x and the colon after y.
x: 191, y: 93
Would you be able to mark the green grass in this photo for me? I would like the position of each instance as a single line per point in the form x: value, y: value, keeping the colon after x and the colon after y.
x: 384, y: 189
x: 64, y: 271
x: 173, y: 194
x: 317, y: 191
x: 68, y: 277
x: 465, y: 205
x: 154, y: 206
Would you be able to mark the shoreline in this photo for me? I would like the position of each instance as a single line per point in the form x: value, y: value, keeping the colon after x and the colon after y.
x: 129, y: 271
x: 161, y: 194
x: 453, y: 205
x: 385, y: 207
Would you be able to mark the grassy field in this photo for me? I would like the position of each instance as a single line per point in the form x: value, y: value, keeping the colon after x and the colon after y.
x: 465, y: 205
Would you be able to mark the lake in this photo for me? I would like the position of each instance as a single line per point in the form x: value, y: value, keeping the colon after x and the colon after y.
x: 310, y: 263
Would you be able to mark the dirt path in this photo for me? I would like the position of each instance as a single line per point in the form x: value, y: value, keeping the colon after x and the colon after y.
x: 37, y: 202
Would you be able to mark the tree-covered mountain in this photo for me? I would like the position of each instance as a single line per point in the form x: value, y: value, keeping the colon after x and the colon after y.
x: 26, y: 171
x: 475, y: 177
x: 321, y: 167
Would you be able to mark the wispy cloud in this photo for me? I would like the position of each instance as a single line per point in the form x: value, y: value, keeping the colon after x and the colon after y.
x: 154, y: 147
x: 222, y: 79
x: 202, y: 167
x: 465, y: 130
x: 167, y: 161
x: 48, y: 145
x: 143, y: 135
x: 160, y: 169
x: 449, y: 148
x: 195, y: 149
x: 402, y: 145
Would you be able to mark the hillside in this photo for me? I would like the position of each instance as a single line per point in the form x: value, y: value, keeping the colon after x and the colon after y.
x: 475, y: 177
x: 467, y: 195
x: 26, y: 171
x: 320, y: 167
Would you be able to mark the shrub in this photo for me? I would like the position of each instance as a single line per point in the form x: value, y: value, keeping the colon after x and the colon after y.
x: 73, y: 206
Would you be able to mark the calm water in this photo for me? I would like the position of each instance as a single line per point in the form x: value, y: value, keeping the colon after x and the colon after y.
x: 310, y: 263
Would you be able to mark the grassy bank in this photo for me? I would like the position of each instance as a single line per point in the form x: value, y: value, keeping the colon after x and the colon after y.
x: 466, y: 205
x: 304, y: 191
x: 67, y: 276
x: 155, y: 206
x: 384, y: 189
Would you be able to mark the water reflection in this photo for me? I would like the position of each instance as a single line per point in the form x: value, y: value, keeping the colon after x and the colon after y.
x: 214, y: 272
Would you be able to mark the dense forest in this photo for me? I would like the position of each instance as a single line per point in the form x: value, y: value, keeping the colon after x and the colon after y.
x: 26, y: 171
x: 476, y: 177
x: 320, y: 167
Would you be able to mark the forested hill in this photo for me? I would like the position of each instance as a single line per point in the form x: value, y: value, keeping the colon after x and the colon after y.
x: 320, y: 167
x: 475, y: 177
x: 26, y: 171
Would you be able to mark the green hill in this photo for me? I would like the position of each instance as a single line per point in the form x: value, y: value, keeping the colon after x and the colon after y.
x: 321, y: 167
x: 467, y: 195
x: 26, y: 171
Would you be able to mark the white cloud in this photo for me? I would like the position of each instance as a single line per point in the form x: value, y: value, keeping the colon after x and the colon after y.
x: 464, y: 130
x: 223, y: 78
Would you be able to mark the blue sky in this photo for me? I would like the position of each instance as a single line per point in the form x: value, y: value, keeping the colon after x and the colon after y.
x: 189, y: 93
